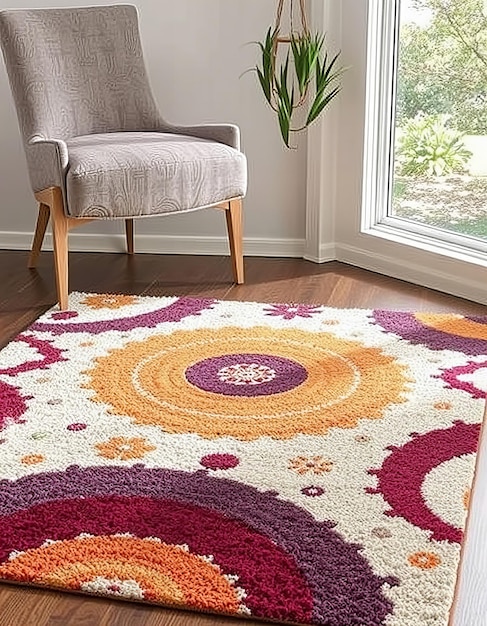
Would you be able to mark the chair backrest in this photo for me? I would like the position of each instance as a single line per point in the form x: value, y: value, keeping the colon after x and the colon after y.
x: 77, y: 71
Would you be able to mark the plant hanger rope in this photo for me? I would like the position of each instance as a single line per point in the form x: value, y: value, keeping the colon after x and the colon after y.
x: 302, y: 11
x: 286, y: 85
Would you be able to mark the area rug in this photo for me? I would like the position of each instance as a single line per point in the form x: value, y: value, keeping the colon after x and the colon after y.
x: 293, y: 463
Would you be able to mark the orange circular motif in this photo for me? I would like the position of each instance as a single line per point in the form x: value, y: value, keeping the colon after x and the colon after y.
x: 424, y: 560
x: 344, y: 382
x: 188, y: 580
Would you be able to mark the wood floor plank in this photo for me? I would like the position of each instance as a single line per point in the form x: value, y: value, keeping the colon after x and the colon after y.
x: 25, y: 294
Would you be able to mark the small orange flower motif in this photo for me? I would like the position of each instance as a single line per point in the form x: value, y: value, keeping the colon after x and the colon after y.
x: 124, y: 448
x: 466, y: 499
x: 442, y: 406
x: 424, y: 560
x: 315, y: 464
x: 108, y: 301
x: 32, y: 459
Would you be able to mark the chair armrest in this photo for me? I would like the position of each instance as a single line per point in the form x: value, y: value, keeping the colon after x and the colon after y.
x: 48, y: 162
x: 228, y: 134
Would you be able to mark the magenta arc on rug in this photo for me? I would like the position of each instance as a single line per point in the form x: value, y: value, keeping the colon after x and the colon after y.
x: 288, y: 462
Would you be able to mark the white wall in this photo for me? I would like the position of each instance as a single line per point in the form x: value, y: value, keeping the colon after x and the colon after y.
x: 195, y: 52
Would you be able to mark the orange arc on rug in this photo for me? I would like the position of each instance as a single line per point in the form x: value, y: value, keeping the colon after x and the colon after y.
x: 165, y: 573
x: 453, y: 325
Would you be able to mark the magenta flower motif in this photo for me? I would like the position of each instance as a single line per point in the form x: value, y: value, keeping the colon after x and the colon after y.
x: 290, y: 311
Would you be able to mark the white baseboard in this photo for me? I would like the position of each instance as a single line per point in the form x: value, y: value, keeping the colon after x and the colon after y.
x: 433, y: 278
x: 160, y: 244
x: 460, y: 286
x: 327, y: 253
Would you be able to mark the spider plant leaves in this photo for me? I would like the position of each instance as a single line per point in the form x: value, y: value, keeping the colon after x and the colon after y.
x: 319, y: 105
x: 284, y: 123
x: 282, y: 89
x: 266, y: 73
x: 286, y: 85
x: 306, y: 51
x: 302, y: 61
x: 265, y: 84
x: 285, y: 101
x: 324, y: 76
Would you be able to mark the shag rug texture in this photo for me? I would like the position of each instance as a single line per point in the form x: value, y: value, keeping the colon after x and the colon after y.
x: 288, y: 462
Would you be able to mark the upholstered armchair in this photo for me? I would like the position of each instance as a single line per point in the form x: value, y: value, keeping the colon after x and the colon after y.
x: 97, y: 147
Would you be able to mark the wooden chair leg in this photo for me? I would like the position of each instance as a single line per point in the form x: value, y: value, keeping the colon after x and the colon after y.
x: 235, y: 235
x: 42, y: 222
x: 60, y: 228
x: 129, y: 235
x: 52, y: 197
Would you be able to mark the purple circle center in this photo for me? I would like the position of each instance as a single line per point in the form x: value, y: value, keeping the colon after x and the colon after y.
x: 213, y: 374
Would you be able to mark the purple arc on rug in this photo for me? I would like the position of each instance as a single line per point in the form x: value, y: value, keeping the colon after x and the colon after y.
x: 402, y: 474
x: 247, y: 375
x: 291, y: 567
x: 174, y: 312
x: 478, y: 319
x: 408, y: 327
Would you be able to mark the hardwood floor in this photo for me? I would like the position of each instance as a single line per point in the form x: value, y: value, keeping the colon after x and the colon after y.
x: 26, y: 294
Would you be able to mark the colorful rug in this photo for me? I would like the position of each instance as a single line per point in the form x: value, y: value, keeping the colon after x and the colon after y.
x: 288, y: 462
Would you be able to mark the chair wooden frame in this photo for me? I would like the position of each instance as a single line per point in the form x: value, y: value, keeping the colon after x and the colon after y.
x: 51, y: 205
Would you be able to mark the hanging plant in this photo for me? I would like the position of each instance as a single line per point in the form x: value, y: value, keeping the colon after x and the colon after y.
x: 307, y: 77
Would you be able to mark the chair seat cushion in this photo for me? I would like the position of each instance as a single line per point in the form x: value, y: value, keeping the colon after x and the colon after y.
x: 117, y: 175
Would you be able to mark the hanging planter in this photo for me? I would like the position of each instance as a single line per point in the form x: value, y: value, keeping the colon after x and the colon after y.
x: 301, y: 82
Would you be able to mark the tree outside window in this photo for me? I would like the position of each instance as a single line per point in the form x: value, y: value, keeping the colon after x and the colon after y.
x: 441, y: 115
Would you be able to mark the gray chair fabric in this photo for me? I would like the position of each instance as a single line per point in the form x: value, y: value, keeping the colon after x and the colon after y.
x: 133, y: 174
x: 90, y: 124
